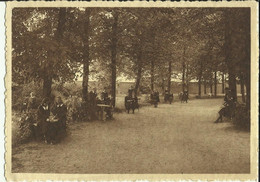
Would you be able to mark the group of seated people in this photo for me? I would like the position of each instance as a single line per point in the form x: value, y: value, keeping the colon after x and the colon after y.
x: 47, y: 120
x: 51, y: 120
x: 80, y: 110
x: 49, y: 123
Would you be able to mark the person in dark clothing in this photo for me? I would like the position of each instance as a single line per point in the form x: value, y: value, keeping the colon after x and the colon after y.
x: 93, y: 104
x: 61, y: 112
x: 104, y: 95
x: 130, y: 92
x: 185, y: 96
x: 57, y: 121
x: 227, y: 93
x: 229, y: 106
x: 43, y: 113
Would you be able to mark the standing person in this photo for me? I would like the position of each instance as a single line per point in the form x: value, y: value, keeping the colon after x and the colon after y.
x: 57, y: 121
x: 93, y: 104
x: 31, y: 102
x: 104, y: 95
x: 130, y: 92
x: 185, y: 96
x: 43, y: 113
x: 61, y: 112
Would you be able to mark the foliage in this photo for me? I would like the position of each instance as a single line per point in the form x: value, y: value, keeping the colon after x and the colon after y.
x: 151, y: 45
x: 242, y: 117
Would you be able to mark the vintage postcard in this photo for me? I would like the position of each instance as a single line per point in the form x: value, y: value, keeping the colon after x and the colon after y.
x: 131, y: 91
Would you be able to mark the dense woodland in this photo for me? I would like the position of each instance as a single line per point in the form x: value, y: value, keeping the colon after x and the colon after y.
x: 150, y: 45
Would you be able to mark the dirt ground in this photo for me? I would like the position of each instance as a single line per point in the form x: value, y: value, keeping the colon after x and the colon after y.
x: 177, y: 138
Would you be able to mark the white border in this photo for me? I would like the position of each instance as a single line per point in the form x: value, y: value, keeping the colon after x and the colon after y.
x: 2, y: 87
x: 254, y: 93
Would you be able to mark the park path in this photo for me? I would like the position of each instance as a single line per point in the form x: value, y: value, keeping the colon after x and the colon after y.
x: 177, y: 138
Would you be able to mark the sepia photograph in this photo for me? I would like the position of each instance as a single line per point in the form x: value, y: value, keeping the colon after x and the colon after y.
x: 131, y: 90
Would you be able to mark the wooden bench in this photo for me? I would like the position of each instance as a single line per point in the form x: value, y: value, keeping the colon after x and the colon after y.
x: 101, y: 111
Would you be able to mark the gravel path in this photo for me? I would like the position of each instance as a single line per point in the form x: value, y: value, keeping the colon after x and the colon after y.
x: 177, y: 138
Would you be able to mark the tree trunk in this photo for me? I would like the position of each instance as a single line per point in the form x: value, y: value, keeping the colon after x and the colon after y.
x: 232, y: 84
x: 187, y: 78
x: 183, y: 70
x: 163, y: 86
x: 200, y: 77
x: 113, y: 58
x: 85, y: 81
x: 205, y: 87
x: 47, y: 80
x: 138, y: 79
x: 223, y: 83
x: 152, y: 33
x: 152, y: 75
x: 199, y: 85
x: 215, y: 84
x: 61, y: 23
x: 242, y: 88
x: 139, y: 72
x: 228, y: 59
x: 183, y: 77
x: 86, y: 57
x: 169, y: 76
x: 211, y: 86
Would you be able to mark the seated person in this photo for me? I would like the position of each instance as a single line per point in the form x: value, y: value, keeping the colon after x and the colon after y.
x: 43, y: 113
x: 60, y: 110
x: 57, y: 121
x: 229, y: 107
x: 108, y: 110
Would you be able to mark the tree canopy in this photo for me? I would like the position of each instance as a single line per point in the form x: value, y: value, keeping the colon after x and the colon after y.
x: 150, y: 45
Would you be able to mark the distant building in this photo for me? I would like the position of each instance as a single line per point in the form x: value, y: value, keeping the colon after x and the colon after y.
x: 122, y: 87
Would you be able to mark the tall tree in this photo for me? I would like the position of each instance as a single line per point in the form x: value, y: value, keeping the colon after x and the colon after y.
x: 47, y: 79
x: 113, y: 56
x: 86, y: 59
x: 228, y: 59
x: 39, y: 50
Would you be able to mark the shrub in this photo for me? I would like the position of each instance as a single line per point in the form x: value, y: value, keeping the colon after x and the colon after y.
x: 20, y: 94
x: 21, y: 127
x: 242, y: 116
